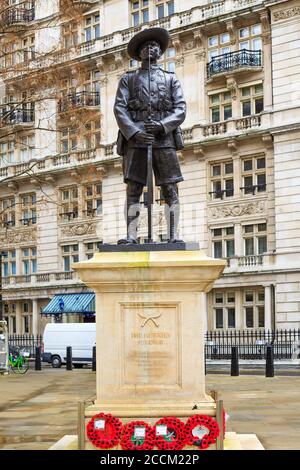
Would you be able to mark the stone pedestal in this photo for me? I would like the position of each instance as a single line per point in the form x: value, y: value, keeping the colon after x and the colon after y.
x: 150, y: 312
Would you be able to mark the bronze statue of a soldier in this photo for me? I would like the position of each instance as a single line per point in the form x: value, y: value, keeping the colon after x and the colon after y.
x: 149, y: 108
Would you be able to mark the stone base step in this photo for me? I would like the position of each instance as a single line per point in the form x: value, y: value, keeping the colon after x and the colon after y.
x: 233, y: 441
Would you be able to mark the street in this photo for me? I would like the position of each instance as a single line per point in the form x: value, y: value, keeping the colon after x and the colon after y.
x: 39, y: 408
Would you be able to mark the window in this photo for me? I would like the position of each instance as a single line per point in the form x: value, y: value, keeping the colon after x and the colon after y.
x: 69, y: 255
x: 133, y: 64
x: 9, y: 263
x: 252, y: 100
x: 255, y: 239
x: 27, y: 148
x: 93, y: 200
x: 7, y: 212
x: 92, y: 27
x: 91, y: 135
x: 70, y: 34
x: 13, y: 325
x: 7, y: 152
x: 220, y: 106
x: 223, y: 242
x: 29, y: 260
x: 224, y: 308
x: 219, y: 44
x: 91, y: 248
x: 28, y: 49
x: 167, y: 61
x: 254, y: 175
x: 139, y: 12
x: 28, y: 209
x: 221, y: 180
x: 68, y: 139
x: 69, y: 203
x: 250, y: 38
x: 254, y: 308
x: 164, y: 8
x: 26, y: 324
x: 92, y: 83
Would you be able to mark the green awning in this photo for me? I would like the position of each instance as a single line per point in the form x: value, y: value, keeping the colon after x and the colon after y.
x: 71, y: 303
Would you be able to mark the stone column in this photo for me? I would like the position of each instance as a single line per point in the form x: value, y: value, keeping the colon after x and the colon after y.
x: 19, y: 326
x: 238, y: 239
x: 35, y: 317
x: 267, y: 60
x: 239, y: 312
x: 268, y: 308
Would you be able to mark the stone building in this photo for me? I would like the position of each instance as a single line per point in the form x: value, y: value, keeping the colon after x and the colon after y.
x: 61, y: 188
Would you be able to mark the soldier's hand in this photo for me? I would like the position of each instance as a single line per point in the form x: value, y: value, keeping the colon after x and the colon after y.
x: 153, y: 126
x: 144, y: 138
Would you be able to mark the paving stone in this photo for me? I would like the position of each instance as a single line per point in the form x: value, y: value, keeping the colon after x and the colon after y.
x: 38, y: 409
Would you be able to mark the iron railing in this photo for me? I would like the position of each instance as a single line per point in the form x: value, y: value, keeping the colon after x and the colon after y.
x: 15, y: 16
x: 234, y: 60
x: 16, y: 116
x: 252, y: 344
x: 26, y: 341
x: 79, y: 100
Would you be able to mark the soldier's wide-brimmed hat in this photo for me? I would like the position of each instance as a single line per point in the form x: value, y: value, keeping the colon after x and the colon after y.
x: 160, y: 35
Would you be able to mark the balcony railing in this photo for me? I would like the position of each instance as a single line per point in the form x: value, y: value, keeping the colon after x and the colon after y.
x: 232, y: 125
x: 79, y: 100
x: 234, y: 60
x: 16, y: 116
x: 40, y: 278
x: 15, y: 16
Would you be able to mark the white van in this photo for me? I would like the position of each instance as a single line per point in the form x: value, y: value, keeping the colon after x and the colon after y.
x: 58, y: 336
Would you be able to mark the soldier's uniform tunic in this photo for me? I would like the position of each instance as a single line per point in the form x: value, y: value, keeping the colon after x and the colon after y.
x: 131, y: 110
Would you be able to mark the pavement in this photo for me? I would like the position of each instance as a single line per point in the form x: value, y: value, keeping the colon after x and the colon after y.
x: 39, y: 408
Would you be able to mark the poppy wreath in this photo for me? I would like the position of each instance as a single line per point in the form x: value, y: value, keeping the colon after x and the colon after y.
x: 130, y: 442
x: 207, y: 422
x: 109, y: 436
x: 175, y: 439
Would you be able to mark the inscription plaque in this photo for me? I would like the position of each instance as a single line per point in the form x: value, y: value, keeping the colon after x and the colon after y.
x: 151, y: 346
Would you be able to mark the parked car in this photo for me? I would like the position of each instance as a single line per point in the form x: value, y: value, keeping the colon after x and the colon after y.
x: 58, y: 336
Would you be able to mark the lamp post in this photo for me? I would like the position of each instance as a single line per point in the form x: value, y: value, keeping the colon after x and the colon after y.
x: 2, y: 253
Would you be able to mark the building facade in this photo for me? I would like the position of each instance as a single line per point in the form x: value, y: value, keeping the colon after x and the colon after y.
x: 61, y: 185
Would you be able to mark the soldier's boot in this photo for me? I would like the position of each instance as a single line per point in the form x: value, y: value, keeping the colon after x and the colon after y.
x: 174, y: 213
x: 132, y: 225
x: 134, y: 191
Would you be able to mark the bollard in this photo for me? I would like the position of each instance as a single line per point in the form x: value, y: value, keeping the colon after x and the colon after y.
x: 94, y: 359
x: 270, y: 361
x: 235, y: 362
x: 69, y: 362
x: 38, y: 358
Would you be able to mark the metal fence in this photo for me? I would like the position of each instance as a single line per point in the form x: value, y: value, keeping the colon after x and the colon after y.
x: 28, y: 342
x: 252, y: 344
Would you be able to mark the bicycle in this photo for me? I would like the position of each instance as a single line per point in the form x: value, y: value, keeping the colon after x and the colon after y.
x: 18, y: 360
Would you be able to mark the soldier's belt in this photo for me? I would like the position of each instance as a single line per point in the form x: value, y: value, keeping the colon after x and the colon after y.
x: 143, y: 115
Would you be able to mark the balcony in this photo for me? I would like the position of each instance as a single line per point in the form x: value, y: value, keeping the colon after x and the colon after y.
x: 234, y: 61
x: 76, y: 5
x: 251, y: 263
x: 40, y: 279
x: 234, y: 126
x: 80, y: 100
x: 16, y: 117
x: 17, y: 17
